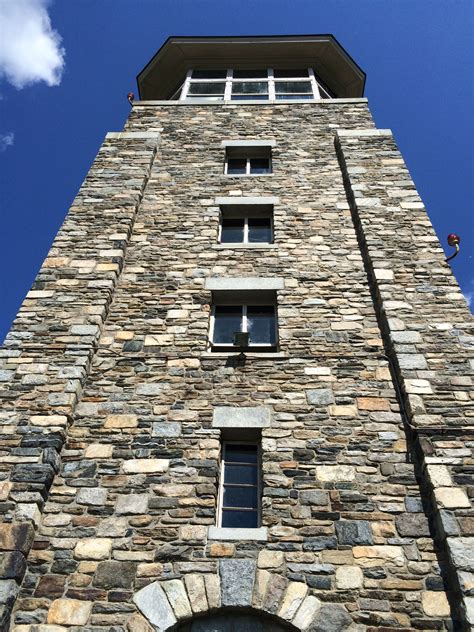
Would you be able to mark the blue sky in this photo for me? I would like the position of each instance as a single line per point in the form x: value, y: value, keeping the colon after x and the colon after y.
x: 66, y: 67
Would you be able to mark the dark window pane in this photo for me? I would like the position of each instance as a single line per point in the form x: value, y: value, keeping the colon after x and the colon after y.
x: 209, y: 74
x: 227, y: 321
x: 294, y: 96
x: 243, y: 519
x: 260, y: 165
x: 260, y: 230
x: 249, y: 87
x: 245, y: 474
x: 298, y: 87
x: 244, y: 497
x: 250, y: 74
x: 240, y: 453
x: 288, y: 72
x: 261, y: 324
x: 236, y: 165
x: 204, y: 88
x: 232, y: 231
x: 249, y: 97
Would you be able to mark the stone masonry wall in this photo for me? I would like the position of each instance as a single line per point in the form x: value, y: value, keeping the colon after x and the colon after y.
x: 122, y: 541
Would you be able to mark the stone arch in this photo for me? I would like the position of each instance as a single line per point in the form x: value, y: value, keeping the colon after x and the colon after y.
x: 237, y: 587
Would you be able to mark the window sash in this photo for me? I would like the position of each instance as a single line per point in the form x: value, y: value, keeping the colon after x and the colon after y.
x: 318, y: 89
x: 244, y: 326
x: 246, y: 233
x: 225, y: 461
x: 248, y: 165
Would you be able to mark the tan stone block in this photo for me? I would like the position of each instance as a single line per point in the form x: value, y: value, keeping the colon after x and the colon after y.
x: 98, y: 451
x: 452, y: 497
x: 124, y: 335
x: 270, y: 559
x: 307, y: 612
x: 373, y: 403
x: 262, y: 579
x: 145, y: 466
x: 335, y: 473
x: 49, y: 420
x: 192, y: 532
x: 5, y: 487
x: 221, y: 549
x: 383, y: 373
x: 121, y: 421
x: 337, y: 557
x: 196, y: 592
x: 343, y: 411
x: 439, y: 475
x: 55, y: 262
x: 176, y: 593
x: 160, y: 340
x: 294, y: 595
x: 181, y: 491
x: 213, y: 590
x: 435, y: 603
x: 349, y: 577
x: 138, y: 623
x: 69, y: 612
x: 389, y: 553
x: 93, y: 549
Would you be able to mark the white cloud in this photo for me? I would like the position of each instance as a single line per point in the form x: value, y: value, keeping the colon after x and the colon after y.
x: 30, y: 49
x: 6, y: 140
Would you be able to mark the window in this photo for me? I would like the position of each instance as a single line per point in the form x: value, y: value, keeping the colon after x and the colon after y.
x: 245, y: 161
x: 246, y: 225
x: 240, y: 486
x: 266, y: 84
x: 255, y: 316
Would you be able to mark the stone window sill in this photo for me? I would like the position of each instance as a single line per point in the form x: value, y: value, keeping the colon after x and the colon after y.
x: 223, y: 354
x: 223, y: 533
x: 245, y: 246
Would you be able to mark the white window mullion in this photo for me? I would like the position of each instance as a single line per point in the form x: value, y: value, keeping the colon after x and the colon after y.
x: 211, y: 325
x: 187, y: 81
x: 228, y: 85
x: 271, y: 85
x: 244, y: 318
x: 314, y: 84
x: 246, y: 230
x: 247, y: 167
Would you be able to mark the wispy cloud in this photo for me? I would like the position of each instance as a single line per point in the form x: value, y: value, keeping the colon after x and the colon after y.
x: 468, y: 292
x: 6, y: 140
x: 30, y: 49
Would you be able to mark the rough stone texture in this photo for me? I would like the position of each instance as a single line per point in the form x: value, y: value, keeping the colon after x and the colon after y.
x: 131, y: 381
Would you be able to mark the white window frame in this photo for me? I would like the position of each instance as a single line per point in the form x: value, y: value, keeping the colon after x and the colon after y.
x: 247, y: 158
x: 244, y: 324
x: 220, y: 495
x: 250, y: 212
x: 271, y: 81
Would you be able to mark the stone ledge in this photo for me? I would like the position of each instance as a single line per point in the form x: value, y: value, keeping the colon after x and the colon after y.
x: 237, y: 284
x: 244, y: 246
x: 248, y: 143
x: 364, y: 132
x: 225, y: 201
x: 222, y: 354
x: 324, y: 102
x: 132, y: 136
x: 241, y: 417
x: 224, y: 533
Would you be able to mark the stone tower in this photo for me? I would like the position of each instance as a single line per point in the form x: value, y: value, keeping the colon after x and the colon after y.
x: 237, y: 394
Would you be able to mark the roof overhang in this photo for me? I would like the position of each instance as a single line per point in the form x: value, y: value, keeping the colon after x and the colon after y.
x: 167, y: 69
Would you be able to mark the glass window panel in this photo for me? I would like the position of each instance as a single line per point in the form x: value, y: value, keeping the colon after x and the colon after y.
x: 260, y: 230
x: 289, y: 72
x: 232, y: 231
x: 194, y: 97
x: 249, y: 87
x: 240, y: 453
x: 261, y: 324
x: 245, y: 497
x: 209, y: 74
x: 236, y: 165
x: 250, y: 74
x: 249, y: 97
x: 245, y: 474
x: 260, y: 165
x: 293, y: 87
x: 201, y: 87
x: 243, y: 519
x: 294, y: 96
x: 227, y: 321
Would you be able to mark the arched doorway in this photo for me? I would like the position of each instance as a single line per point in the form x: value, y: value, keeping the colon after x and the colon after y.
x: 228, y: 620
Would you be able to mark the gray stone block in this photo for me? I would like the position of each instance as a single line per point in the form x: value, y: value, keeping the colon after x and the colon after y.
x: 314, y: 497
x: 154, y: 605
x: 244, y: 283
x: 353, y: 532
x: 412, y: 524
x: 166, y: 429
x: 241, y: 417
x: 237, y: 580
x: 320, y: 396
